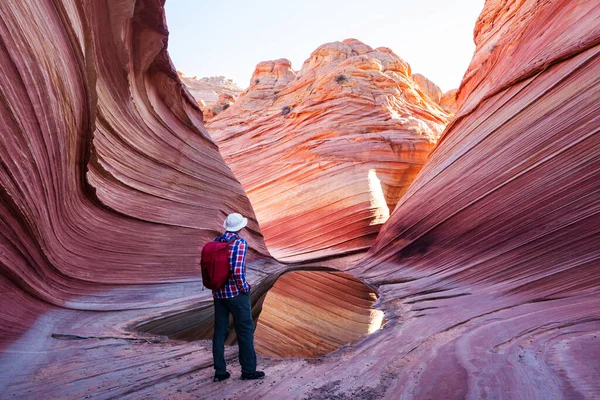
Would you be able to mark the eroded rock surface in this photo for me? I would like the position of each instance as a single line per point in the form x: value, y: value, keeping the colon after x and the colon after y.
x: 494, y: 247
x: 428, y: 87
x: 324, y: 154
x: 448, y: 101
x: 108, y: 180
x: 213, y: 94
x: 488, y: 269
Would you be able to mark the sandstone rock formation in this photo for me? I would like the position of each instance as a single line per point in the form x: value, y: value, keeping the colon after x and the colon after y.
x: 325, y: 154
x: 448, y: 101
x: 213, y: 94
x: 109, y: 181
x: 488, y: 269
x: 495, y: 245
x: 429, y: 88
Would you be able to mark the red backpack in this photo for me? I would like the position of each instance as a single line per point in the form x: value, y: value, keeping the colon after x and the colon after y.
x: 215, y: 263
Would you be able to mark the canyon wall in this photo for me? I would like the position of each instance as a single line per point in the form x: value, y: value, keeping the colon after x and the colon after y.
x: 324, y: 154
x: 487, y: 269
x: 108, y: 177
x: 493, y: 253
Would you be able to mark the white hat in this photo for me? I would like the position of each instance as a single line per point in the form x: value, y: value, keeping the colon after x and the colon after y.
x: 235, y: 222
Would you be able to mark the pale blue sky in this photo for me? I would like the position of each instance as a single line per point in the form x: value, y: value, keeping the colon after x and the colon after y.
x: 230, y: 37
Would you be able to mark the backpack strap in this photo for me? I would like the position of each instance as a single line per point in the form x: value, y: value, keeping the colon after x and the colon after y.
x: 228, y: 241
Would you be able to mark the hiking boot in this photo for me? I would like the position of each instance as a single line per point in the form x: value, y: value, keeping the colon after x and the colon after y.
x: 221, y: 377
x: 253, y: 375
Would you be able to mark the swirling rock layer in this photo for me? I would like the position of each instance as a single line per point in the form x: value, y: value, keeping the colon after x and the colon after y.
x: 488, y: 269
x: 107, y: 175
x: 495, y: 245
x: 325, y: 154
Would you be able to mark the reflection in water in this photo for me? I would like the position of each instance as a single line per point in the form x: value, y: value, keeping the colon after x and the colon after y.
x: 310, y: 314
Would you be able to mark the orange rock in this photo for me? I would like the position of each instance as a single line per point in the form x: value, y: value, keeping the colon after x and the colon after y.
x: 324, y: 154
x: 488, y: 270
x: 448, y: 101
x: 429, y: 88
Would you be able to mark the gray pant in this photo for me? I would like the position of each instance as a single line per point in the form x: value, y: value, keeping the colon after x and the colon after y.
x: 239, y: 307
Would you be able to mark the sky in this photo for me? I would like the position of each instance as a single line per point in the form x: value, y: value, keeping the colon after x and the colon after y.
x: 229, y: 38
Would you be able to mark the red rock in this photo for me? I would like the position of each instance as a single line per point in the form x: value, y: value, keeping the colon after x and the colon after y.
x: 488, y: 269
x: 494, y: 247
x: 326, y: 153
x: 108, y: 176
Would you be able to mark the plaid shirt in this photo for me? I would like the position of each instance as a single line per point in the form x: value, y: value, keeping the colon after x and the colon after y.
x: 237, y: 263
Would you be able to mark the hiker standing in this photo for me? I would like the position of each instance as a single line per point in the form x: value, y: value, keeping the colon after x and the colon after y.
x: 234, y: 298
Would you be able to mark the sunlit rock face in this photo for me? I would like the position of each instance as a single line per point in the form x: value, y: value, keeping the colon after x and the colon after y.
x: 213, y: 94
x: 428, y: 87
x: 492, y: 257
x: 448, y: 101
x: 310, y: 314
x: 324, y: 154
x: 108, y: 180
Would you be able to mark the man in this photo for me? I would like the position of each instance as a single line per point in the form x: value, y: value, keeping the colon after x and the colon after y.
x: 234, y: 298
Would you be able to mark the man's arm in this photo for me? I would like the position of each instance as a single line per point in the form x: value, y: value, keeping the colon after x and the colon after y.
x: 239, y: 265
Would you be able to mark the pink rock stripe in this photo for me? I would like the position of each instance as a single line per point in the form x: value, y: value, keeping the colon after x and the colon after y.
x: 107, y: 176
